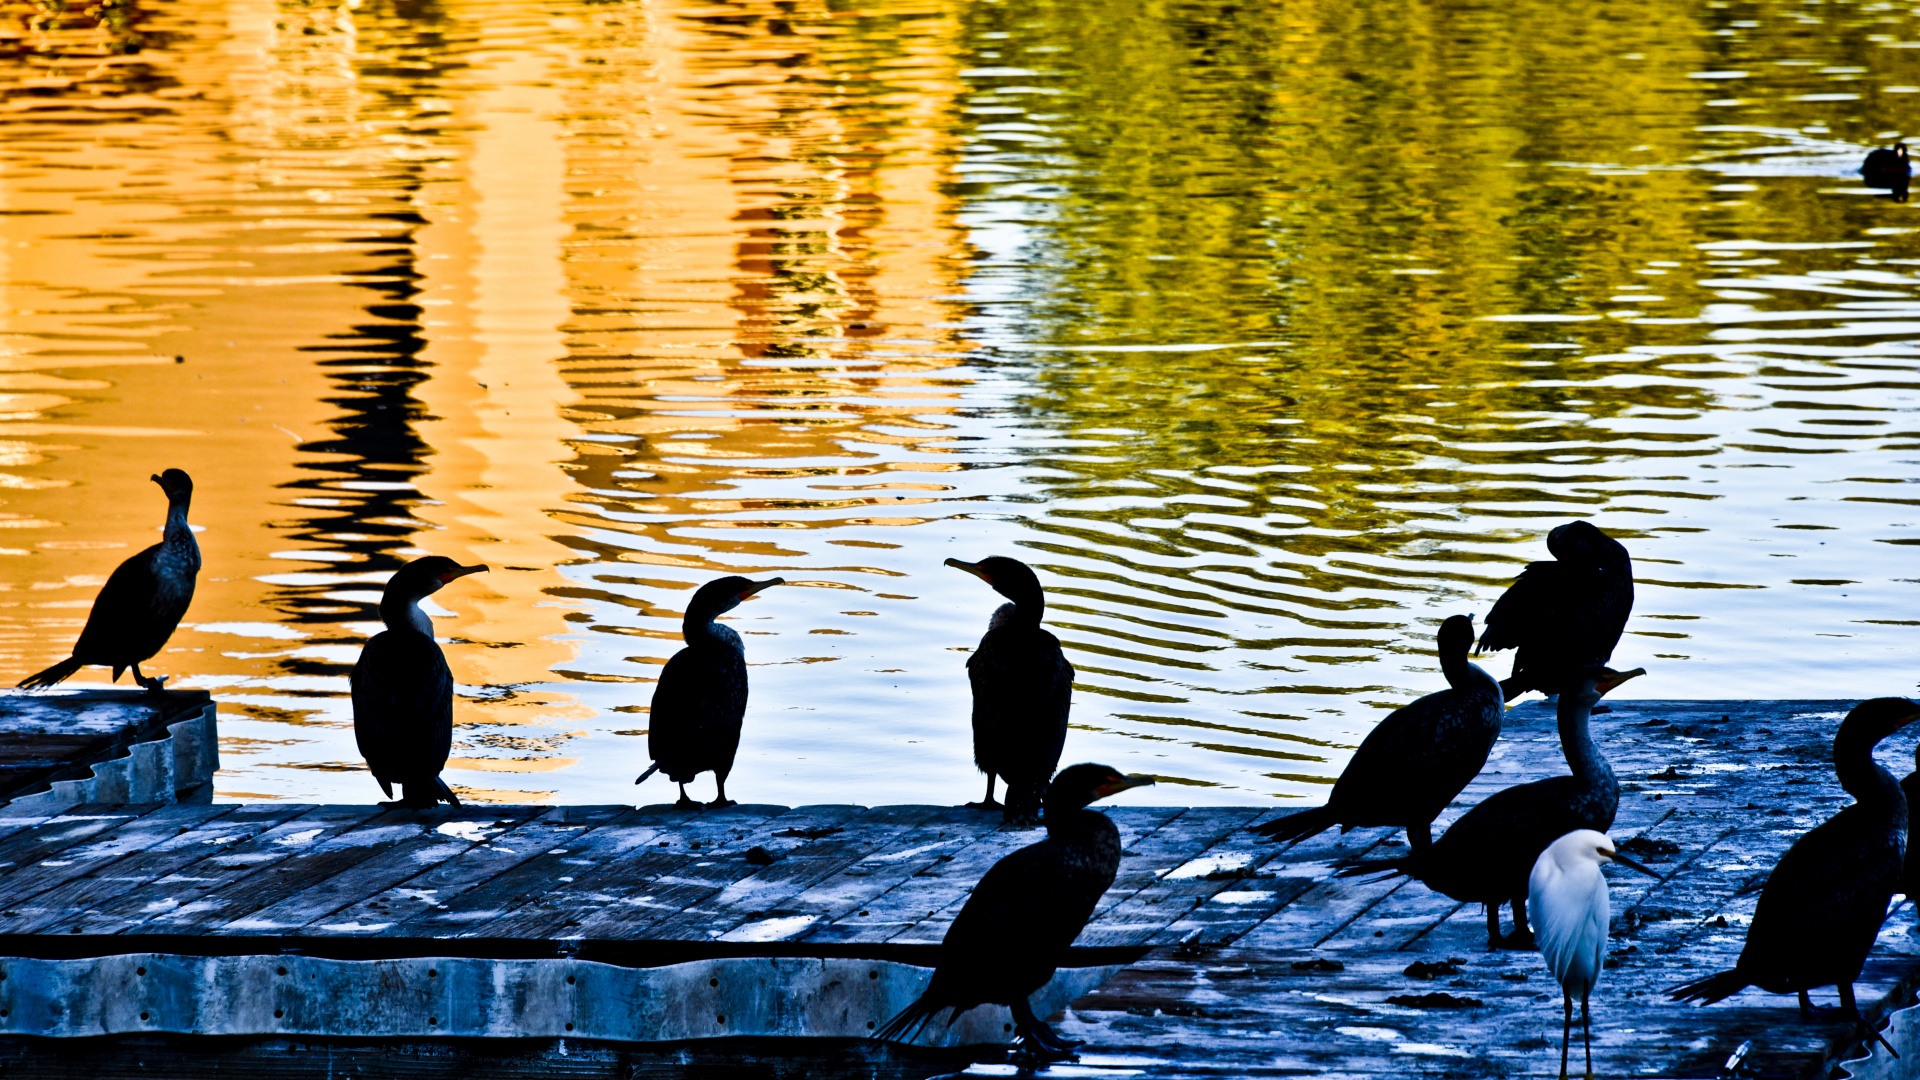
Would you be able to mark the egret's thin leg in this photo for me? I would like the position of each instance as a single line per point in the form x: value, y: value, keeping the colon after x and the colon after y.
x: 1586, y: 1021
x: 1566, y: 1032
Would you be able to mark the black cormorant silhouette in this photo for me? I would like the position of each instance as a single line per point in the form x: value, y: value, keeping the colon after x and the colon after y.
x: 1563, y: 615
x: 1022, y: 689
x: 142, y: 602
x: 1887, y: 167
x: 701, y: 698
x: 403, y: 689
x: 1413, y: 763
x: 1487, y: 855
x: 1017, y: 924
x: 1824, y: 902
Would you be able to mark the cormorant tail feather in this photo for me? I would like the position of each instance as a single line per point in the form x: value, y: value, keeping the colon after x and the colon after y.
x: 651, y: 769
x: 915, y: 1017
x: 446, y: 793
x: 1297, y: 827
x: 1713, y: 988
x: 59, y: 672
x: 1400, y: 865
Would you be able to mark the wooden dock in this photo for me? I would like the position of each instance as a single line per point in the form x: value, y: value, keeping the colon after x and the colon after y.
x: 66, y: 746
x: 614, y: 941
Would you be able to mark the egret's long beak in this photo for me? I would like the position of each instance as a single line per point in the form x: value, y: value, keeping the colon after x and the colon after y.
x: 759, y: 585
x: 971, y: 568
x: 1612, y: 682
x: 1629, y: 863
x: 462, y: 571
x: 1120, y: 783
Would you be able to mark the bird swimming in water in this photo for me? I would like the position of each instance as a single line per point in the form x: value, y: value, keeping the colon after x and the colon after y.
x: 1567, y: 894
x: 1022, y: 689
x: 1562, y: 615
x: 1824, y: 902
x: 1413, y: 763
x: 1887, y: 167
x: 1016, y: 926
x: 142, y: 602
x: 1487, y: 856
x: 701, y: 697
x: 403, y: 689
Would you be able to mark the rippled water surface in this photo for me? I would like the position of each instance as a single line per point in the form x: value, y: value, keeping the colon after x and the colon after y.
x: 1271, y: 333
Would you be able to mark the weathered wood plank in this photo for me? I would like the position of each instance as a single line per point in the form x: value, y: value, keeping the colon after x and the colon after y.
x: 460, y: 912
x: 758, y: 907
x: 76, y: 826
x: 657, y: 883
x: 388, y: 910
x: 442, y: 834
x: 131, y: 836
x: 101, y: 883
x: 194, y: 896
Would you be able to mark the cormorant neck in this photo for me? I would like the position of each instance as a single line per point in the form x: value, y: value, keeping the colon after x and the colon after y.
x: 1576, y: 740
x: 402, y: 612
x: 1457, y: 668
x: 1075, y: 824
x: 699, y: 626
x: 177, y: 527
x: 1860, y: 775
x: 1025, y: 610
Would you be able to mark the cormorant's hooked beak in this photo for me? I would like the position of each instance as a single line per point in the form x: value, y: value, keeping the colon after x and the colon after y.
x: 1612, y: 682
x: 971, y: 568
x: 1628, y: 863
x: 1119, y: 783
x: 759, y: 585
x: 462, y: 571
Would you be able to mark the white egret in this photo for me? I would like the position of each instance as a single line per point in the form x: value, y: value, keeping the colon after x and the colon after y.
x: 1567, y: 895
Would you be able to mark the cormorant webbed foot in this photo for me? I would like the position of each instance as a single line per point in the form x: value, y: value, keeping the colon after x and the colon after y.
x: 721, y: 803
x: 986, y: 804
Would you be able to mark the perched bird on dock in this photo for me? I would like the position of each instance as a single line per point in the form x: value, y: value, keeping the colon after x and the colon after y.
x: 1016, y: 926
x: 1887, y: 167
x: 701, y: 698
x: 1562, y: 615
x: 142, y: 602
x: 1022, y: 689
x: 1568, y: 896
x: 1487, y: 856
x: 1910, y: 787
x: 403, y: 689
x: 1413, y: 763
x: 1823, y: 904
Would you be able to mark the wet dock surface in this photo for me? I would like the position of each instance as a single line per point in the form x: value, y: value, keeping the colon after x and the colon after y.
x: 1241, y: 958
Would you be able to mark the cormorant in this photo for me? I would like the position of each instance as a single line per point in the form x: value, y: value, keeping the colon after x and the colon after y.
x: 1022, y: 689
x: 1020, y: 919
x: 403, y: 689
x: 1412, y: 764
x: 1823, y: 904
x: 1910, y: 787
x: 1563, y: 615
x: 1486, y: 856
x: 1887, y: 167
x: 142, y: 602
x: 702, y: 693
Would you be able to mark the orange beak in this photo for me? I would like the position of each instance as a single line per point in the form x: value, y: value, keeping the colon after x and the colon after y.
x: 971, y: 568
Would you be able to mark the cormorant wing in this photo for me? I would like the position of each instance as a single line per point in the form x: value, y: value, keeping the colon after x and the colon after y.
x: 403, y: 706
x: 1528, y: 603
x: 124, y: 607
